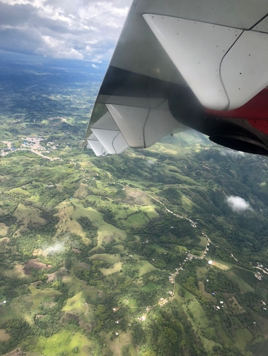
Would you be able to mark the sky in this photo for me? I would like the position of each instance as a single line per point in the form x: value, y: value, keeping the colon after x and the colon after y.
x: 66, y: 29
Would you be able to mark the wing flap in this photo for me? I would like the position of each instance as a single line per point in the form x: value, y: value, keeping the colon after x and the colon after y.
x: 96, y: 146
x: 177, y: 54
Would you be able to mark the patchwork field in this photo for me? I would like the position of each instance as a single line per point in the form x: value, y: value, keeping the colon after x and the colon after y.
x: 131, y: 255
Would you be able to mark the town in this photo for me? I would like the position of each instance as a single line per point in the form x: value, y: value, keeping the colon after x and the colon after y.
x: 30, y: 144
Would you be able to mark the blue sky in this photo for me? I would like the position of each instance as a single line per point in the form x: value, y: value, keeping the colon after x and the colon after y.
x: 67, y: 29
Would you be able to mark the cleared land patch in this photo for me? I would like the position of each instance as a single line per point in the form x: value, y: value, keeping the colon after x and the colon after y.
x: 137, y: 196
x: 112, y: 259
x: 16, y: 272
x: 19, y: 191
x: 150, y: 287
x: 198, y: 313
x: 3, y: 229
x: 67, y: 223
x: 262, y: 323
x: 81, y: 191
x: 220, y: 266
x: 34, y: 264
x: 25, y: 216
x: 136, y: 220
x: 201, y: 286
x: 123, y: 339
x: 77, y: 302
x: 241, y: 283
x: 233, y: 303
x: 242, y: 337
x: 4, y: 336
x: 4, y: 240
x: 145, y: 267
x: 116, y: 268
x: 46, y: 295
x: 63, y: 342
x: 106, y: 232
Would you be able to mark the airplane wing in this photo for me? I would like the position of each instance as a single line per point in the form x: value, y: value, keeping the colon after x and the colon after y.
x: 186, y: 63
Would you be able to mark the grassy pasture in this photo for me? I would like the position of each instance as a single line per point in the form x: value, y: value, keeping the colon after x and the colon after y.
x: 246, y: 275
x: 259, y: 348
x: 198, y: 313
x: 126, y: 215
x: 16, y: 272
x: 109, y: 233
x: 18, y: 191
x: 67, y: 223
x: 145, y: 267
x: 106, y: 232
x: 227, y: 342
x: 116, y: 268
x: 76, y: 303
x: 203, y: 241
x: 220, y: 265
x: 262, y: 323
x: 82, y: 191
x: 245, y: 287
x: 4, y: 336
x: 68, y: 186
x: 64, y: 342
x: 39, y: 296
x: 136, y: 220
x: 26, y: 215
x: 76, y: 286
x: 117, y: 345
x: 149, y: 287
x: 3, y: 229
x: 112, y: 259
x: 201, y: 272
x: 208, y: 345
x: 242, y: 337
x: 137, y: 197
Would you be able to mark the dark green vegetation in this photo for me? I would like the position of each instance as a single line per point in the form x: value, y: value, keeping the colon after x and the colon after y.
x: 88, y: 251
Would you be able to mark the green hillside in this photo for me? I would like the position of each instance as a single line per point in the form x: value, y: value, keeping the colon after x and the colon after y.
x: 110, y: 256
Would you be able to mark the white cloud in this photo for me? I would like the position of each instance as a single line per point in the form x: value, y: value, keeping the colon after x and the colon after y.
x: 95, y: 66
x: 58, y: 247
x: 71, y: 54
x: 232, y: 153
x: 151, y: 162
x: 238, y: 204
x: 85, y: 29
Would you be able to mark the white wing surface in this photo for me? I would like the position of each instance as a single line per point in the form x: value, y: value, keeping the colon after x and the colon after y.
x: 176, y: 61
